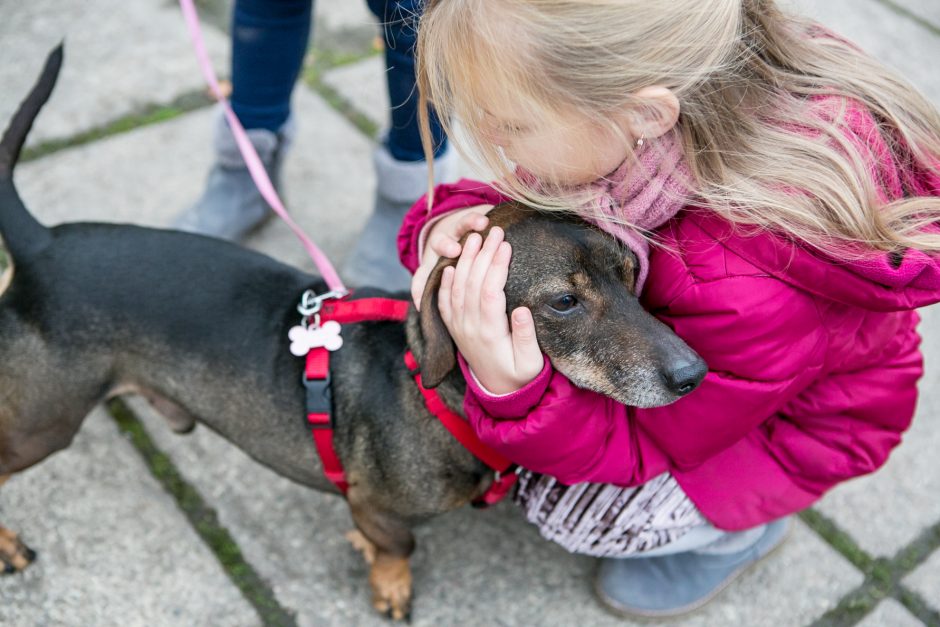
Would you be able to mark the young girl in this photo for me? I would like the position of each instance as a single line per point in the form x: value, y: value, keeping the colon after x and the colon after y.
x: 788, y: 184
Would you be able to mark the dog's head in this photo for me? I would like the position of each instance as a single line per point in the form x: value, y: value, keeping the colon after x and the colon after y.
x: 578, y: 282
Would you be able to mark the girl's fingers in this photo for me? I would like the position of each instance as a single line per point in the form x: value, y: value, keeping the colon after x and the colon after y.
x: 445, y: 246
x: 473, y: 299
x: 472, y: 222
x: 481, y: 266
x: 464, y: 264
x: 444, y: 296
x: 493, y: 296
x: 448, y: 244
x: 525, y: 345
x: 444, y: 235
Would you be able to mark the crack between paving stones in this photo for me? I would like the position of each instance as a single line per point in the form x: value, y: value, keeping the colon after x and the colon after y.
x: 320, y: 62
x: 203, y: 519
x: 882, y: 575
x: 917, y: 606
x: 144, y: 116
x: 858, y: 604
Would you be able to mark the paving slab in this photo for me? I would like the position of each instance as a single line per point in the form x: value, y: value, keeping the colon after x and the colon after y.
x: 885, y: 511
x: 339, y: 25
x: 120, y: 57
x: 344, y: 15
x: 470, y: 568
x: 928, y: 10
x: 362, y: 84
x: 344, y: 26
x: 897, y: 41
x: 113, y: 548
x: 890, y: 613
x: 926, y: 581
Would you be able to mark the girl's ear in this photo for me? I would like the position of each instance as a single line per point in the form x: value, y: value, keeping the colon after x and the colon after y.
x: 656, y: 115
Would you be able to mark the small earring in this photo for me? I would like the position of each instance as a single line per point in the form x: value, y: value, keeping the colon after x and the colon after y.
x: 641, y: 141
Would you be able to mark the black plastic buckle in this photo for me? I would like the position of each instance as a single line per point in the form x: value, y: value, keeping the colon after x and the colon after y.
x: 319, y: 400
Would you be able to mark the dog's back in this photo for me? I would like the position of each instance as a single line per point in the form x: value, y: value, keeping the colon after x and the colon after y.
x: 188, y: 321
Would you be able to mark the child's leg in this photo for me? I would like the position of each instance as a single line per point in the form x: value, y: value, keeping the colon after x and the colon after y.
x: 662, y: 558
x: 671, y: 585
x: 269, y: 41
x: 609, y: 521
x: 398, y: 20
x: 400, y: 168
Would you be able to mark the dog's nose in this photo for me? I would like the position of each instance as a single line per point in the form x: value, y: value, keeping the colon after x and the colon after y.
x: 684, y: 377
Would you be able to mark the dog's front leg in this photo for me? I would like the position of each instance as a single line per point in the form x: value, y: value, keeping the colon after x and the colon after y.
x: 386, y: 542
x: 14, y: 555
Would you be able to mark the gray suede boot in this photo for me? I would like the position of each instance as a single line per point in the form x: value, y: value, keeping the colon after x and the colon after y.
x: 374, y: 258
x: 231, y: 205
x: 672, y: 585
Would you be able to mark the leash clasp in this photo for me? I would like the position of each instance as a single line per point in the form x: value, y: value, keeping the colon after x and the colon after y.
x: 309, y: 334
x: 311, y: 303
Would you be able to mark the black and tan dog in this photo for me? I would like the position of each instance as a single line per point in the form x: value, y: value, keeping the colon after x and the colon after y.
x: 199, y: 326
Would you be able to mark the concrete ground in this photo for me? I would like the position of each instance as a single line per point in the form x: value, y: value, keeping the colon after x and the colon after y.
x: 137, y: 526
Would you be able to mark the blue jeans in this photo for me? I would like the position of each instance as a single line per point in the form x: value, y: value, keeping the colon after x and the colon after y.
x: 269, y: 41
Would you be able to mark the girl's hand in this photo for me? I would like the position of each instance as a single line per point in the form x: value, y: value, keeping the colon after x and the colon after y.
x: 473, y: 307
x: 444, y: 241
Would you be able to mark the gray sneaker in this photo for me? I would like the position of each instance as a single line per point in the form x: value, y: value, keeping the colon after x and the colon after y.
x: 231, y: 205
x: 672, y: 585
x: 374, y: 258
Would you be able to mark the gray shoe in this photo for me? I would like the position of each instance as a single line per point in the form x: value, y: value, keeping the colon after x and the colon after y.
x: 374, y: 258
x: 671, y: 585
x: 231, y: 205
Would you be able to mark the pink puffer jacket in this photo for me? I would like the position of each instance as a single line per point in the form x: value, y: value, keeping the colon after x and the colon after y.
x: 813, y: 369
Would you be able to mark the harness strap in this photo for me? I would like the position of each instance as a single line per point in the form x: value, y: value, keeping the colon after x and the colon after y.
x: 317, y: 382
x: 365, y: 310
x: 320, y: 414
x: 505, y: 469
x: 317, y: 379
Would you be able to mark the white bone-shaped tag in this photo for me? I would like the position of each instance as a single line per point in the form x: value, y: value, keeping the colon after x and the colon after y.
x: 303, y: 340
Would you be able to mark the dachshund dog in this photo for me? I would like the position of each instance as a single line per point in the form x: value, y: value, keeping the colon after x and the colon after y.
x: 198, y: 326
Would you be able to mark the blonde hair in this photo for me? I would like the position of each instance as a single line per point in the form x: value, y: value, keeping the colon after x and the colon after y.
x: 746, y: 75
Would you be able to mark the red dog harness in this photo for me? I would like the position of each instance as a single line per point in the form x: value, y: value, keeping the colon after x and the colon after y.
x: 320, y: 402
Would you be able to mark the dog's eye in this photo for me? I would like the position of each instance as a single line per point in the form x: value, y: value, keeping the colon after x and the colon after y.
x: 564, y: 303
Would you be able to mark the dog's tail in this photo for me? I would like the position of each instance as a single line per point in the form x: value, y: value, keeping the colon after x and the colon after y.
x: 22, y: 233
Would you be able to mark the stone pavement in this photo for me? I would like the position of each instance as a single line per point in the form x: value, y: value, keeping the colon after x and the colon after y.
x: 137, y: 526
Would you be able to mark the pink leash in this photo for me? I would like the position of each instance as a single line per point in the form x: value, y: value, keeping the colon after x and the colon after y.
x: 252, y: 160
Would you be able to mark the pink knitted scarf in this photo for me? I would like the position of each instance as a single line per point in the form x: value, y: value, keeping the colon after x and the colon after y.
x: 642, y: 195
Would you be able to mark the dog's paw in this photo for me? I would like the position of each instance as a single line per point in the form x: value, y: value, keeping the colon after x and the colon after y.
x: 362, y: 544
x: 391, y: 587
x: 14, y: 555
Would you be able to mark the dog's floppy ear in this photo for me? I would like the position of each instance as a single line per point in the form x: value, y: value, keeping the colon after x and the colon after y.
x: 440, y: 355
